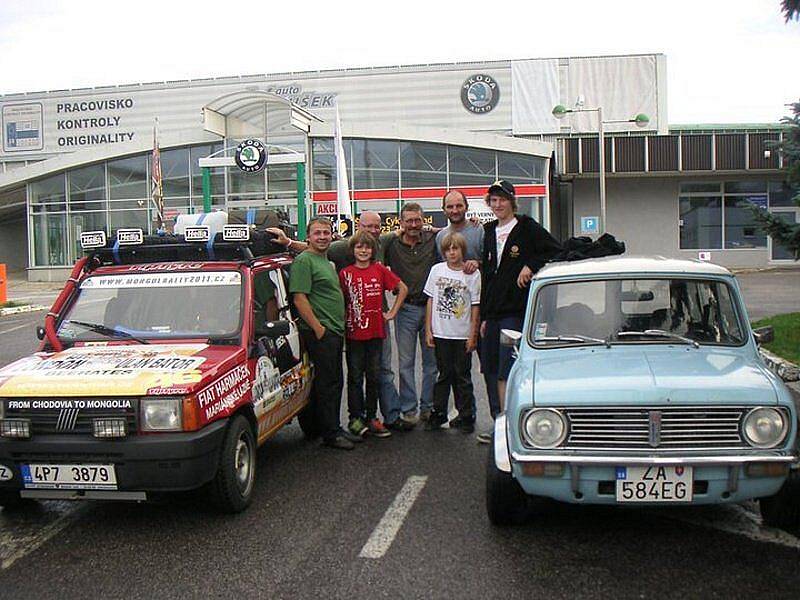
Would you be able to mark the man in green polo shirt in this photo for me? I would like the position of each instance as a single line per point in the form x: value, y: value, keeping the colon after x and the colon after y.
x: 318, y: 299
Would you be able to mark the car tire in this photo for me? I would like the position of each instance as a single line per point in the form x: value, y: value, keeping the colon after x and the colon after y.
x: 308, y: 422
x: 231, y: 490
x: 11, y: 500
x: 783, y: 509
x: 506, y: 502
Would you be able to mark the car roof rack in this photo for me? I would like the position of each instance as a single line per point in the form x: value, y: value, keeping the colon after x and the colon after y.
x: 197, y: 243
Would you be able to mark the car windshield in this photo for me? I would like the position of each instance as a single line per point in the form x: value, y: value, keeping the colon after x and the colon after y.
x: 626, y: 311
x: 144, y: 306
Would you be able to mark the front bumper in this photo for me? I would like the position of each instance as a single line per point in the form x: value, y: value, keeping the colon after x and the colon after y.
x: 589, y: 479
x: 165, y: 462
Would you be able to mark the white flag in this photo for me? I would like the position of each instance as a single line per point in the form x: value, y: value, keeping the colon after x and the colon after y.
x: 342, y: 186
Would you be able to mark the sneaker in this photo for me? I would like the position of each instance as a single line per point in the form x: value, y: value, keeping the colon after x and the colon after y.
x: 425, y: 415
x: 339, y: 442
x: 377, y: 429
x: 410, y: 417
x: 485, y: 437
x: 463, y: 425
x: 435, y: 422
x: 357, y: 427
x: 400, y: 425
x: 351, y: 437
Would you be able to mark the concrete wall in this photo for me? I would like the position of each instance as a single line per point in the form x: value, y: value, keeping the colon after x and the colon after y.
x: 643, y: 212
x: 14, y: 243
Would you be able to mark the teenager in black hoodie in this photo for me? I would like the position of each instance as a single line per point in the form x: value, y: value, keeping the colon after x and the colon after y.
x: 515, y: 247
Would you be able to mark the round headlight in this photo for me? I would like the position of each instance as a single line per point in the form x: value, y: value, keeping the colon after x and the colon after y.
x: 764, y: 427
x: 545, y: 428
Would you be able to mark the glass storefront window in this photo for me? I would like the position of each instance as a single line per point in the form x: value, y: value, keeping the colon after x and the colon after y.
x: 701, y: 223
x: 240, y: 182
x: 423, y: 165
x: 700, y: 188
x: 325, y: 163
x: 84, y: 221
x: 127, y: 180
x: 217, y: 173
x: 741, y: 230
x: 374, y: 164
x: 121, y: 219
x: 50, y: 192
x: 745, y: 187
x: 282, y: 181
x: 175, y: 173
x: 50, y: 240
x: 780, y: 194
x: 470, y: 166
x: 87, y: 188
x: 520, y: 168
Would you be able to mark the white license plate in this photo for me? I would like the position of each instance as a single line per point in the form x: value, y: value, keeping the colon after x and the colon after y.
x: 69, y: 477
x: 654, y: 484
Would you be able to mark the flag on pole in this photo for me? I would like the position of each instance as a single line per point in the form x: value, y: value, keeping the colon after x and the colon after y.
x: 344, y: 209
x: 157, y: 192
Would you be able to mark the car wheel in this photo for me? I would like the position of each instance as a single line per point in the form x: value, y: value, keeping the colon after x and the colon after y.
x: 232, y: 487
x: 506, y: 502
x: 10, y: 500
x: 308, y: 422
x: 783, y: 509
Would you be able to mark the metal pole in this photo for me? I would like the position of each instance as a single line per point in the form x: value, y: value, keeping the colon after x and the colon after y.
x: 206, y: 189
x: 301, y: 201
x: 601, y: 142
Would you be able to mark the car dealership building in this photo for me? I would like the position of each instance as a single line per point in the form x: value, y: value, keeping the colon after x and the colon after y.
x: 80, y: 160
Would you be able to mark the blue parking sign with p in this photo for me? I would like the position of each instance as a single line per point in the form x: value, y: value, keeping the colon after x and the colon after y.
x: 590, y: 224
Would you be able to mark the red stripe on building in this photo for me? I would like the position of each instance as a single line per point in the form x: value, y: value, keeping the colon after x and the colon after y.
x: 424, y: 193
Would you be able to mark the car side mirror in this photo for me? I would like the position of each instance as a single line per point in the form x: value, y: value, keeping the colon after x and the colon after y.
x: 764, y: 335
x: 272, y: 329
x: 40, y: 333
x: 510, y: 337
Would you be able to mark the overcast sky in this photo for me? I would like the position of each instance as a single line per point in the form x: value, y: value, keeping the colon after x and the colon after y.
x: 731, y: 61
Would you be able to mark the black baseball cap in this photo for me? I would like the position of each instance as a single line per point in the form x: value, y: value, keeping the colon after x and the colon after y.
x: 504, y: 188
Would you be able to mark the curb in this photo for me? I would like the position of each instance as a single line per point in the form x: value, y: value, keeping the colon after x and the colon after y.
x: 21, y: 309
x: 784, y: 369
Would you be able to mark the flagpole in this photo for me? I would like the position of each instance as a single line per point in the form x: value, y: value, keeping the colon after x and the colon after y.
x: 157, y: 191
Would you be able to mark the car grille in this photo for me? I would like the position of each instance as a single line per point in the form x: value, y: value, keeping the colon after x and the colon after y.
x: 67, y: 421
x: 658, y: 428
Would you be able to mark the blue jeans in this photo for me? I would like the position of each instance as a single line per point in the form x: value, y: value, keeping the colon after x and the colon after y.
x: 410, y: 328
x: 389, y: 399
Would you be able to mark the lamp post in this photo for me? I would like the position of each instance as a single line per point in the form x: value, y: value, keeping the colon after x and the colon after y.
x: 641, y: 120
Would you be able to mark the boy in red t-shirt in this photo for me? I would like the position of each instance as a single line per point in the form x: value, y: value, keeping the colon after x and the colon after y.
x: 363, y: 285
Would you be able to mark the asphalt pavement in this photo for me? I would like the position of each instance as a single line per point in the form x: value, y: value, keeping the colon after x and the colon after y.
x: 333, y: 524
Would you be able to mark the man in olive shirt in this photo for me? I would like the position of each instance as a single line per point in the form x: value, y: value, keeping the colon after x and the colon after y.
x: 318, y: 299
x: 411, y: 256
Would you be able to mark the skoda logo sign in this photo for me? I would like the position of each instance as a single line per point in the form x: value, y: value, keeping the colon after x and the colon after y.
x: 480, y: 93
x: 251, y: 156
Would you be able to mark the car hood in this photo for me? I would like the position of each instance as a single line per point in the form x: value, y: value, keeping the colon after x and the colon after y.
x: 652, y: 376
x: 118, y: 370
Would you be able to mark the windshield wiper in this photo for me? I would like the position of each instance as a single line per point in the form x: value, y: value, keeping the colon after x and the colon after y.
x: 572, y: 337
x: 107, y: 331
x: 658, y: 333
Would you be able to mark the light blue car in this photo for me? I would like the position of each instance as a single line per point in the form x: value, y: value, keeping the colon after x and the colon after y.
x: 638, y: 381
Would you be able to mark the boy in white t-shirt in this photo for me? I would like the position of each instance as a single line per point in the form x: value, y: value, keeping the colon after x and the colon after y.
x: 452, y: 320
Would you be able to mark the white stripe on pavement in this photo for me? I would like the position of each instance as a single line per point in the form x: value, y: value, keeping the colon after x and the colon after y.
x: 20, y: 547
x: 386, y: 530
x: 16, y: 328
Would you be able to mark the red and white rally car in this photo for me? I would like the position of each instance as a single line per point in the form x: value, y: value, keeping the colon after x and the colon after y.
x: 165, y: 362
